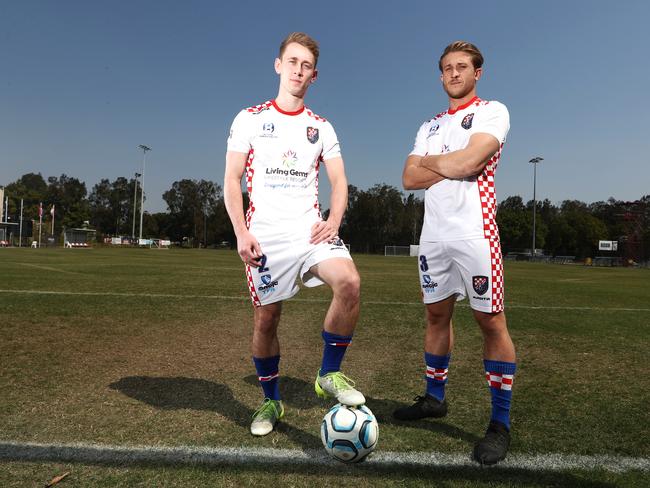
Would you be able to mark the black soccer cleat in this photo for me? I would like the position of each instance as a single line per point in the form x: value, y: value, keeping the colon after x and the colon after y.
x: 424, y: 406
x: 494, y: 446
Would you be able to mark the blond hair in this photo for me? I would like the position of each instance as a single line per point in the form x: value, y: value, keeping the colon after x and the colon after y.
x: 466, y: 47
x: 302, y: 39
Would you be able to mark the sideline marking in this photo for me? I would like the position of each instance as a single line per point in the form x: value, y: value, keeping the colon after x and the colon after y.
x: 306, y: 300
x: 215, y: 456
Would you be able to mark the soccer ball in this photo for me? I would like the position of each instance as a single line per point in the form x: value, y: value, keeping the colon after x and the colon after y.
x: 349, y: 434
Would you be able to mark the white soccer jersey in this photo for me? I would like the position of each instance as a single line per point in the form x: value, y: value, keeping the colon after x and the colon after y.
x: 284, y: 153
x: 462, y: 209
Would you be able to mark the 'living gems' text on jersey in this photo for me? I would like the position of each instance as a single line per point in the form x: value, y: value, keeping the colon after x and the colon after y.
x: 462, y: 209
x: 284, y: 153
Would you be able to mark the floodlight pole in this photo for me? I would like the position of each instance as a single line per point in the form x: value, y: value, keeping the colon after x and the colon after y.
x: 135, y: 202
x: 534, y: 161
x: 144, y: 159
x: 20, y: 231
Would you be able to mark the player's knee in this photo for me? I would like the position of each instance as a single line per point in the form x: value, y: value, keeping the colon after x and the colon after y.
x: 438, y: 321
x: 267, y: 320
x: 266, y: 326
x: 438, y: 317
x: 349, y: 287
x: 492, y: 324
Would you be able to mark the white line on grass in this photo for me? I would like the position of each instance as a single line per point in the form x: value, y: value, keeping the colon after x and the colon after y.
x: 307, y: 300
x: 185, y: 455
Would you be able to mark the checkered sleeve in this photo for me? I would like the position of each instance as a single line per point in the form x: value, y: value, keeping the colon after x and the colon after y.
x: 331, y: 146
x: 420, y: 145
x: 493, y: 119
x: 239, y: 139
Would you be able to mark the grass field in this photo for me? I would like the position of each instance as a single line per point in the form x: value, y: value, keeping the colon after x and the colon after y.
x: 150, y: 348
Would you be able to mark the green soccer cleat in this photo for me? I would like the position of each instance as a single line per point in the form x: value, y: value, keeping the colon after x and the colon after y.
x: 339, y: 386
x: 265, y: 417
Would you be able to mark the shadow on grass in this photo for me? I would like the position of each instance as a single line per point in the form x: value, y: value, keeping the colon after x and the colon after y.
x: 297, y: 393
x: 197, y: 394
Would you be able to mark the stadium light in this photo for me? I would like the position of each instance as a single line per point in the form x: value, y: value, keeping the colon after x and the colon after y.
x: 144, y: 160
x: 135, y: 202
x: 534, y: 161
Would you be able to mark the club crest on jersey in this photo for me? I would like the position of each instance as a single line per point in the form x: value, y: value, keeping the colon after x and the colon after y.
x: 289, y: 159
x: 312, y: 135
x: 268, y: 127
x: 467, y: 121
x: 480, y: 284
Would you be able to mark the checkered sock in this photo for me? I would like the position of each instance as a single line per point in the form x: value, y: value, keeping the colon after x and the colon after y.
x: 500, y: 376
x: 333, y: 352
x: 267, y: 374
x: 437, y: 367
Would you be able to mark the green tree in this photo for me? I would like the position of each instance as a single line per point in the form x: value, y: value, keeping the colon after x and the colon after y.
x: 31, y: 187
x: 192, y: 204
x: 69, y: 197
x: 111, y: 206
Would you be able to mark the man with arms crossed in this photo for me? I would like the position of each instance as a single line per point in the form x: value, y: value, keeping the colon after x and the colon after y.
x: 279, y: 145
x: 454, y: 158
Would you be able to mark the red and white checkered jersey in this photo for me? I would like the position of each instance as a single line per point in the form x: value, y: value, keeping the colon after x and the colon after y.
x: 460, y: 209
x: 284, y: 154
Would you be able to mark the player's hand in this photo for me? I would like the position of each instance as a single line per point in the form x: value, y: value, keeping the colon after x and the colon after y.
x: 323, y: 231
x: 249, y: 249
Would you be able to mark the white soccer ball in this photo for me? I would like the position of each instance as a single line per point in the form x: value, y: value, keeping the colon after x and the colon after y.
x: 349, y: 434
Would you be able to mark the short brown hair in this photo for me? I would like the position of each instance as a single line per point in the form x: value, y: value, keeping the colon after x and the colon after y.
x: 302, y: 39
x: 466, y: 47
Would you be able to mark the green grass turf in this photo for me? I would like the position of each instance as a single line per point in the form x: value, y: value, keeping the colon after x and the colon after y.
x: 158, y: 354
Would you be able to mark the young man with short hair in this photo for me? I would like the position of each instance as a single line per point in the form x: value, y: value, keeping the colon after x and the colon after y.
x: 454, y: 158
x: 280, y: 145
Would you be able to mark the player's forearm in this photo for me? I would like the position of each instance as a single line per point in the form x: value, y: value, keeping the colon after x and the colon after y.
x: 455, y: 165
x: 338, y: 203
x: 234, y: 202
x: 419, y: 178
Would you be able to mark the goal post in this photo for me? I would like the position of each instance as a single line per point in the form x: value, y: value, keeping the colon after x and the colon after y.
x: 397, y: 250
x: 405, y: 251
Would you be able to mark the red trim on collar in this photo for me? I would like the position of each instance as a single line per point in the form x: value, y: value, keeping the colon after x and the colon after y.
x: 297, y: 112
x: 464, y: 106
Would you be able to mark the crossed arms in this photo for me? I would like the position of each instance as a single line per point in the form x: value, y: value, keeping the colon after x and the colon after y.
x: 421, y: 172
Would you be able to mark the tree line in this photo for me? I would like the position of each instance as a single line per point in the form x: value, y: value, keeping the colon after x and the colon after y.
x: 381, y: 215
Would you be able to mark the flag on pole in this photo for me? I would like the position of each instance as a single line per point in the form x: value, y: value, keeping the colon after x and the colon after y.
x: 52, y: 211
x: 40, y: 210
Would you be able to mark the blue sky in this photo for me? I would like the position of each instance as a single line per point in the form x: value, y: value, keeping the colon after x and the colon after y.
x: 83, y: 83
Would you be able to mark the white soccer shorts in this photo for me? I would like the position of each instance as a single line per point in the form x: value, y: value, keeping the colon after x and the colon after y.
x: 285, y: 258
x: 472, y: 268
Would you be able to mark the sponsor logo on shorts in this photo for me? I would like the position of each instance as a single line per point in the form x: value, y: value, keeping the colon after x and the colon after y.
x: 467, y: 121
x: 268, y: 284
x: 428, y: 285
x: 480, y: 284
x: 312, y: 135
x: 337, y: 242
